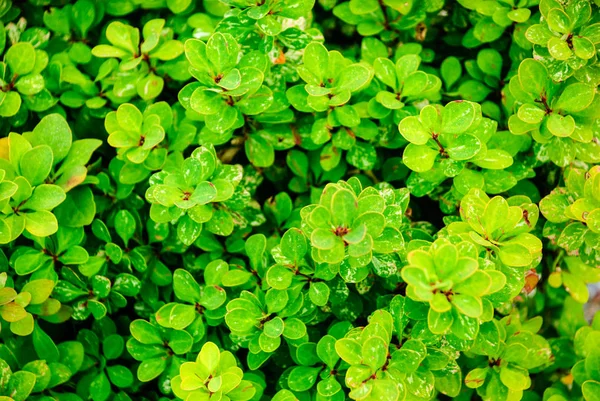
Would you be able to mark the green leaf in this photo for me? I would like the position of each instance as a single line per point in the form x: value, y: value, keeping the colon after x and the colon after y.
x: 222, y: 51
x: 490, y: 62
x: 591, y: 390
x: 451, y: 71
x: 78, y: 209
x: 150, y: 86
x: 260, y: 152
x: 353, y: 78
x: 185, y: 286
x: 20, y: 385
x: 39, y: 289
x: 468, y: 305
x: 45, y: 197
x: 30, y: 84
x: 316, y: 63
x: 274, y: 328
x: 515, y: 378
x: 576, y: 97
x: 53, y: 131
x: 439, y: 323
x: 374, y: 352
x: 457, y: 117
x: 120, y: 376
x: 319, y: 293
x: 21, y: 58
x: 515, y: 255
x: 10, y: 105
x: 151, y: 368
x: 561, y: 126
x: 413, y: 131
x: 463, y: 147
x: 345, y: 205
x: 239, y: 320
x: 41, y: 223
x: 209, y: 357
x: 44, y: 346
x: 419, y: 158
x: 349, y: 350
x: 385, y: 71
x: 145, y: 332
x: 302, y: 378
x: 530, y: 71
x: 294, y: 329
x: 124, y: 225
x: 476, y: 377
x: 123, y: 36
x: 293, y: 244
x: 279, y: 277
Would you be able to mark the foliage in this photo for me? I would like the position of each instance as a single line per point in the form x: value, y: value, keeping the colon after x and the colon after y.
x: 299, y: 200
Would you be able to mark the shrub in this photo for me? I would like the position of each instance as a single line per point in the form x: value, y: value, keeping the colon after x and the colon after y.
x: 370, y: 200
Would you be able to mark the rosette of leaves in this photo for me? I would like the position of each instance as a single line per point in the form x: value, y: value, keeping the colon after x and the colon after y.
x: 501, y: 226
x: 367, y: 351
x: 49, y: 253
x: 516, y: 349
x: 573, y: 213
x: 213, y: 376
x: 48, y: 166
x: 17, y: 309
x: 494, y: 18
x: 143, y: 58
x: 159, y: 350
x: 407, y: 83
x: 558, y: 116
x: 447, y: 138
x: 137, y: 137
x: 388, y: 18
x: 101, y: 369
x: 566, y: 36
x: 449, y: 278
x: 260, y: 324
x: 271, y: 15
x: 96, y: 295
x: 195, y: 302
x: 228, y: 87
x: 484, y: 75
x: 21, y: 80
x: 350, y: 222
x: 200, y: 193
x: 292, y: 270
x: 501, y: 146
x: 71, y: 25
x: 319, y: 364
x: 330, y: 81
x: 28, y: 207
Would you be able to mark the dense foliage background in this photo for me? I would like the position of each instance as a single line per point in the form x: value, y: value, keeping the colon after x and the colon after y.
x: 285, y: 200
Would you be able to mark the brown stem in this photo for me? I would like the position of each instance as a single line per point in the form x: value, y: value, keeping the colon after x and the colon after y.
x: 440, y: 146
